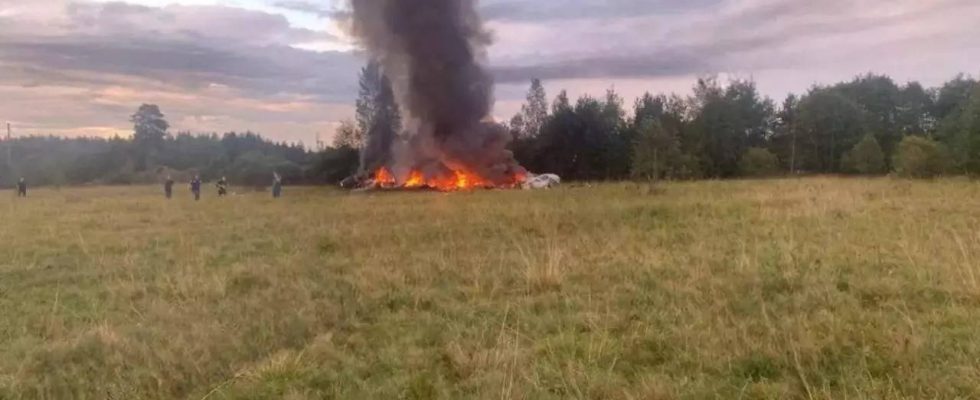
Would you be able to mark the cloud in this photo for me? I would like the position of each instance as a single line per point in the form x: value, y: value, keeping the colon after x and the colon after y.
x: 223, y: 67
x: 305, y: 7
x: 736, y: 35
x: 95, y: 62
x: 264, y: 70
x: 520, y: 10
x: 187, y: 46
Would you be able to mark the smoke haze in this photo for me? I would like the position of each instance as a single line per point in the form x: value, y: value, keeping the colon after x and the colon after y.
x: 432, y: 52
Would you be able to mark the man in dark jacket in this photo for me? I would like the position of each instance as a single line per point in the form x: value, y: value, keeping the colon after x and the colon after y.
x: 222, y: 187
x: 21, y: 188
x: 276, y: 185
x: 196, y: 187
x: 168, y: 187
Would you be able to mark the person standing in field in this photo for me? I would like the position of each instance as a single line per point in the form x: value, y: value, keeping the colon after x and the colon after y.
x: 196, y: 187
x: 276, y: 185
x: 21, y: 188
x: 222, y: 187
x: 168, y: 187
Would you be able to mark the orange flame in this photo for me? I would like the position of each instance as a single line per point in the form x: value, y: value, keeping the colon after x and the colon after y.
x: 458, y: 180
x: 384, y: 178
x: 415, y: 180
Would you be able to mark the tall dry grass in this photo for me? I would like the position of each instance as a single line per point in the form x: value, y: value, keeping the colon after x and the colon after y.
x: 817, y: 288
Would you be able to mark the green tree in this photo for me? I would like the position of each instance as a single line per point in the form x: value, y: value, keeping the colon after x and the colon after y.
x: 728, y: 120
x: 656, y: 151
x: 784, y: 141
x: 919, y: 157
x: 953, y: 95
x: 333, y: 165
x: 534, y: 112
x: 377, y: 115
x: 618, y: 139
x: 348, y: 135
x: 961, y: 130
x: 880, y: 100
x: 914, y: 112
x: 579, y: 142
x: 648, y: 107
x: 149, y: 131
x: 827, y: 124
x: 758, y: 162
x: 376, y: 105
x: 516, y: 126
x: 561, y: 103
x: 865, y: 158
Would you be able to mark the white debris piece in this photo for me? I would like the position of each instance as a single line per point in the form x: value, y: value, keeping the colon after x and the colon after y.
x: 543, y: 181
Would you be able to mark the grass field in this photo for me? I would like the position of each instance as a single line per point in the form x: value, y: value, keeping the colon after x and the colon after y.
x: 817, y: 288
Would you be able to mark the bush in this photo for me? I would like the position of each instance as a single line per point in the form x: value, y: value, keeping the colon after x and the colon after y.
x: 865, y: 158
x: 335, y: 164
x: 961, y: 130
x: 758, y: 162
x: 919, y: 157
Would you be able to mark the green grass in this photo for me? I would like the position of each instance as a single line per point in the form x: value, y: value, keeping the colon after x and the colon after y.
x: 786, y: 289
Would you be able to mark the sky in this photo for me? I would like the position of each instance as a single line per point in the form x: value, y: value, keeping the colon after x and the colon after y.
x: 288, y: 70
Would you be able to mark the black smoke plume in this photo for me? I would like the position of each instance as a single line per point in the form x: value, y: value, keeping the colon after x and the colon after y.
x: 431, y: 51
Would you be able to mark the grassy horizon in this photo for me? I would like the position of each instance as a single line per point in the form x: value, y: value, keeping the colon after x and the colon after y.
x: 814, y: 288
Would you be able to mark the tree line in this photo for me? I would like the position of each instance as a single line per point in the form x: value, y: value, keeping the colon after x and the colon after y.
x: 151, y: 154
x: 869, y: 125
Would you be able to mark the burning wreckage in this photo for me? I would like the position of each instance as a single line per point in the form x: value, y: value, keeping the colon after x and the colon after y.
x: 431, y: 55
x: 384, y: 179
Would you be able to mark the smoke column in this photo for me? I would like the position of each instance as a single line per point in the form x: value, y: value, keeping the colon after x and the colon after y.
x: 430, y: 50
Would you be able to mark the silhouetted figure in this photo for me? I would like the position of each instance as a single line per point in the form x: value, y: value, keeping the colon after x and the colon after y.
x: 21, y: 188
x: 196, y: 187
x: 222, y: 187
x: 276, y: 185
x: 168, y: 187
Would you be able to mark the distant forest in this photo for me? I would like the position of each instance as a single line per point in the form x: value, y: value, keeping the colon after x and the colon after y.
x: 870, y: 125
x: 152, y: 154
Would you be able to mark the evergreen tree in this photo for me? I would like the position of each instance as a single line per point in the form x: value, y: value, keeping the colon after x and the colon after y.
x: 376, y: 103
x: 618, y: 139
x: 378, y: 117
x: 149, y: 130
